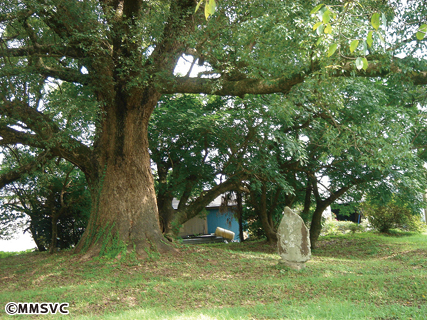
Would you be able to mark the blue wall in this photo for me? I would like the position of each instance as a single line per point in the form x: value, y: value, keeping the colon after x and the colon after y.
x: 222, y: 220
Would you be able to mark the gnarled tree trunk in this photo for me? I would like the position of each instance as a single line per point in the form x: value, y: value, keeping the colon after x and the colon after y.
x: 124, y: 212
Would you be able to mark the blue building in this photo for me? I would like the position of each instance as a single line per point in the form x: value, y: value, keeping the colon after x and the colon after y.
x: 217, y: 216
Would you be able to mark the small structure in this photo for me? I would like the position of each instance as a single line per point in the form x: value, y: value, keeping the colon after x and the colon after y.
x: 293, y: 241
x: 217, y: 215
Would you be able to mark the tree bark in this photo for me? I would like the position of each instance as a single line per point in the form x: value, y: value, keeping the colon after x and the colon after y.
x: 316, y: 225
x: 54, y: 239
x: 124, y: 207
x: 164, y: 200
x: 166, y: 213
x: 307, y: 202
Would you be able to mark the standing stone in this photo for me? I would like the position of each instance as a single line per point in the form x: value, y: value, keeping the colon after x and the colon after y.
x: 293, y: 240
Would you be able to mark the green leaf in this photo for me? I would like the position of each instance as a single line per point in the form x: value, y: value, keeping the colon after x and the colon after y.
x: 317, y: 24
x: 332, y: 48
x: 198, y: 6
x: 365, y: 63
x: 375, y: 20
x: 353, y: 45
x: 359, y: 63
x: 328, y: 28
x: 316, y: 8
x: 369, y: 40
x: 320, y: 30
x: 209, y: 8
x: 422, y: 32
x: 326, y: 17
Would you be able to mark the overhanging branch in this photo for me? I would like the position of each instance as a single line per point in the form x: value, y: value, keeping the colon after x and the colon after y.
x: 17, y: 173
x: 377, y: 69
x: 51, y: 50
x: 64, y: 74
x: 47, y: 135
x: 12, y: 137
x: 16, y: 15
x: 224, y: 87
x: 229, y: 88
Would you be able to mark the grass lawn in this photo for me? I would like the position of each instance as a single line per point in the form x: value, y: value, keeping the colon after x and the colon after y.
x: 360, y: 276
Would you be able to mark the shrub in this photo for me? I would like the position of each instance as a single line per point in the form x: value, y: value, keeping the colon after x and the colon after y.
x: 333, y: 226
x: 391, y: 216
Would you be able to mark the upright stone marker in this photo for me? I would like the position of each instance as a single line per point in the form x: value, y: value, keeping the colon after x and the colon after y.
x: 293, y: 241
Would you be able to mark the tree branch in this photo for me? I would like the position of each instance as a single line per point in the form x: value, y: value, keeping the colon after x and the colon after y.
x: 46, y: 135
x: 17, y: 173
x: 64, y: 74
x: 223, y: 87
x: 229, y: 88
x: 12, y: 137
x: 377, y: 69
x: 50, y: 50
x: 195, y: 207
x: 16, y: 15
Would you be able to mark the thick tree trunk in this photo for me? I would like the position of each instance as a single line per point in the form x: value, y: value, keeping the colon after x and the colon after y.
x: 124, y: 213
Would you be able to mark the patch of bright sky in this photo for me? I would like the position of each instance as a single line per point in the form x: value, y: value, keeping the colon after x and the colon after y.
x: 186, y: 63
x: 22, y: 241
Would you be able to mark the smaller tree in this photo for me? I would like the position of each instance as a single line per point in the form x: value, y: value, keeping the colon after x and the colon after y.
x: 54, y: 201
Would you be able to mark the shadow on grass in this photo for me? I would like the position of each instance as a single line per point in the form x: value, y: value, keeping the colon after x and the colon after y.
x: 283, y: 309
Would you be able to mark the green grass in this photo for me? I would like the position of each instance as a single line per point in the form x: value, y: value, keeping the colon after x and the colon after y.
x: 360, y: 276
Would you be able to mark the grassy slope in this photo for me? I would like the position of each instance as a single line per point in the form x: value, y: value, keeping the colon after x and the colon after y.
x: 362, y: 276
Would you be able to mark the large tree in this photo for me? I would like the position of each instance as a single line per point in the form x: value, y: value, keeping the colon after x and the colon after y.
x: 122, y: 55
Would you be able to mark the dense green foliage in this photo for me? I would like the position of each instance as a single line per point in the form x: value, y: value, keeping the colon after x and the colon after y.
x: 53, y: 203
x: 356, y: 134
x: 392, y: 215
